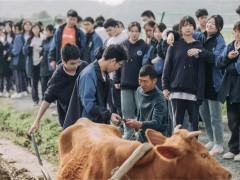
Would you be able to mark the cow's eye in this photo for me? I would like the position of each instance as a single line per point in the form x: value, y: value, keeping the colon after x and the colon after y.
x: 204, y: 156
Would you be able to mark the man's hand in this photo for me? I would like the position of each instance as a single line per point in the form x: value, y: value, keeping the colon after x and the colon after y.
x: 34, y: 128
x: 233, y: 54
x: 53, y: 64
x: 166, y: 93
x: 114, y: 119
x: 132, y: 123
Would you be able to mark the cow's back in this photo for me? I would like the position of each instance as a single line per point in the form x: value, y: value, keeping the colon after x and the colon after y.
x: 86, y: 148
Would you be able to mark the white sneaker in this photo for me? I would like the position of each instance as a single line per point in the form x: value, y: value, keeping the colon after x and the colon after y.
x: 24, y: 93
x: 16, y: 95
x: 209, y: 145
x: 1, y: 94
x: 237, y: 158
x: 216, y: 150
x: 7, y: 94
x: 229, y: 155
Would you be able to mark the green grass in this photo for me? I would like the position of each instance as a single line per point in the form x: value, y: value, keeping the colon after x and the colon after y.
x: 15, y: 125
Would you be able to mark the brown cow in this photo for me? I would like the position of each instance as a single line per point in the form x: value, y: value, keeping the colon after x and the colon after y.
x: 90, y: 151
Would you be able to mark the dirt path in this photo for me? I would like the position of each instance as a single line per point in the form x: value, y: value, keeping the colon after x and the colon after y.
x: 24, y: 160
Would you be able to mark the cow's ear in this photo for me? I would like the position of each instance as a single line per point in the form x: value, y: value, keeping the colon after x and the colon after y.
x: 168, y: 152
x: 155, y: 137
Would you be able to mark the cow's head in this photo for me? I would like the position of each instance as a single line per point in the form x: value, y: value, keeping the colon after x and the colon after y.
x: 186, y: 157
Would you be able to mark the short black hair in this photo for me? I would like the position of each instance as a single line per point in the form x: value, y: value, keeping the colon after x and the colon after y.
x: 98, y: 53
x: 50, y: 28
x: 150, y: 23
x: 70, y: 51
x: 98, y: 24
x: 110, y: 23
x: 148, y: 70
x: 187, y: 19
x: 218, y: 21
x: 79, y: 19
x: 18, y: 25
x: 72, y: 13
x: 201, y: 12
x: 160, y: 26
x: 89, y: 19
x: 100, y: 18
x: 175, y: 27
x: 148, y: 13
x: 117, y: 51
x: 238, y: 10
x: 236, y: 26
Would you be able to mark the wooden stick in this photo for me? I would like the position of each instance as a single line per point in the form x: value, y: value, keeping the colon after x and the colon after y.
x: 131, y: 161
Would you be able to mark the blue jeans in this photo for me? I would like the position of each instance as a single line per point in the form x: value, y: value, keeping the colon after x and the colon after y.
x: 128, y: 106
x: 211, y: 114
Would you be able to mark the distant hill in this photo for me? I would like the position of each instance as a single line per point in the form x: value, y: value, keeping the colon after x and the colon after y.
x: 128, y: 11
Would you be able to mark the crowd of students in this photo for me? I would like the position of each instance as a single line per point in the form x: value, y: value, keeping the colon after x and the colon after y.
x: 97, y: 69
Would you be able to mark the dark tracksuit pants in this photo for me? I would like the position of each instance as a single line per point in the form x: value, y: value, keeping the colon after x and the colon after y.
x: 233, y: 115
x: 34, y: 81
x: 20, y: 80
x: 44, y: 81
x: 8, y: 82
x: 180, y: 106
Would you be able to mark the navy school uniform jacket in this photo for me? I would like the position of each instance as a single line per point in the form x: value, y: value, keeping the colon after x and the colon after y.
x: 55, y: 49
x: 138, y: 55
x: 230, y: 85
x: 93, y: 42
x: 60, y: 88
x: 45, y: 67
x: 18, y: 59
x: 89, y: 97
x: 182, y: 73
x: 4, y: 63
x: 213, y: 48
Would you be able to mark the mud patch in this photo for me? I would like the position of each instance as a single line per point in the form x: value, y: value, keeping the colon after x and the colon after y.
x: 17, y: 163
x: 9, y: 172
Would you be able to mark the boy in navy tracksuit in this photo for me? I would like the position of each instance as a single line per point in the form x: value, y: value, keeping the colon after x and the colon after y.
x: 89, y: 98
x: 60, y: 86
x: 229, y: 91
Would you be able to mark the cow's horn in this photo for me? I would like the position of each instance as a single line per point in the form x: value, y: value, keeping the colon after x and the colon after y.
x: 194, y: 134
x: 177, y: 127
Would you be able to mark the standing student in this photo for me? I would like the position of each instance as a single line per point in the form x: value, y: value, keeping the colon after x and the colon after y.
x: 116, y: 37
x: 89, y: 98
x: 32, y: 50
x: 210, y: 110
x: 183, y: 75
x: 126, y: 78
x: 18, y: 63
x: 5, y: 71
x: 146, y: 16
x: 61, y: 84
x: 66, y: 33
x: 93, y: 41
x: 46, y: 70
x: 202, y: 17
x: 229, y: 91
x: 148, y: 27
